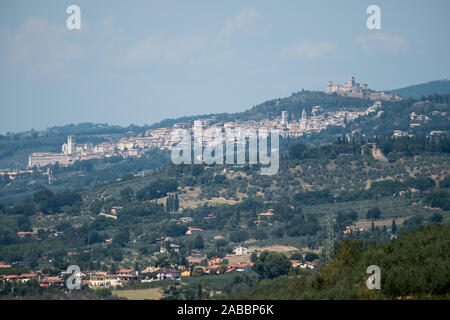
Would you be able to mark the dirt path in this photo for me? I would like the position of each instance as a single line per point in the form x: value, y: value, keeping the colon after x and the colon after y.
x: 377, y: 154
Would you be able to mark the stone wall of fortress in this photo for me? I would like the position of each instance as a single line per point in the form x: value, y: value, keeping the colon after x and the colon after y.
x: 353, y: 89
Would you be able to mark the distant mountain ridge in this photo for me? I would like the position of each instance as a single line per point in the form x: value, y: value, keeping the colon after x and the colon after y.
x: 441, y: 87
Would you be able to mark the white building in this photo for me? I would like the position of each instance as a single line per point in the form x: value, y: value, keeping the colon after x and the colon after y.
x: 284, y: 116
x: 240, y: 250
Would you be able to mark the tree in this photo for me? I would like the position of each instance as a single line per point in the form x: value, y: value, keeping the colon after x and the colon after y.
x: 394, y: 227
x: 168, y: 203
x: 197, y: 272
x: 219, y: 179
x: 163, y: 261
x: 127, y: 194
x: 296, y: 256
x: 259, y: 234
x: 176, y: 203
x: 405, y: 274
x: 158, y: 189
x: 311, y: 256
x: 198, y: 242
x: 374, y: 213
x: 239, y: 236
x: 272, y: 265
x: 436, y: 218
x: 122, y: 238
x: 42, y: 195
x: 220, y: 243
x: 113, y: 269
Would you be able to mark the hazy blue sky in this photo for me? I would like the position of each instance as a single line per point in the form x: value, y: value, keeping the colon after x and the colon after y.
x: 143, y: 61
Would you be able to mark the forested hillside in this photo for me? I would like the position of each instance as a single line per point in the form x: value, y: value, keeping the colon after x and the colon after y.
x: 439, y: 87
x: 414, y: 266
x: 121, y: 223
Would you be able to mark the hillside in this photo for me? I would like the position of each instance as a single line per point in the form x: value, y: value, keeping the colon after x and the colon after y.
x: 121, y: 223
x: 15, y: 148
x: 374, y: 178
x: 440, y: 87
x: 403, y: 118
x: 294, y: 105
x: 344, y: 277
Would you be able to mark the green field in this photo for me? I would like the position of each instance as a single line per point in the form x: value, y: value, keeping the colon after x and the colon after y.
x: 141, y: 294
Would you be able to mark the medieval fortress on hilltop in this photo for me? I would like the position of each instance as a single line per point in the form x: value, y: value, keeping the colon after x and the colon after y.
x: 356, y: 90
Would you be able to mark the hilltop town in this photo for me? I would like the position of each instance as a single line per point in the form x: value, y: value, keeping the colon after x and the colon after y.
x: 161, y: 138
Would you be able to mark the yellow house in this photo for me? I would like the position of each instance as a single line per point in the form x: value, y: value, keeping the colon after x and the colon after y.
x: 186, y: 273
x: 104, y: 282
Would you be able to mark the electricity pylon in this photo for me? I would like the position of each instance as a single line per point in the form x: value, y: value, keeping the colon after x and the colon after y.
x: 329, y: 241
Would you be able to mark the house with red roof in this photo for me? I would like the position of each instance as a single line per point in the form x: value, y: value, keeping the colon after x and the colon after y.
x: 192, y: 230
x: 11, y: 277
x: 126, y: 275
x: 267, y: 214
x: 194, y: 260
x: 240, y: 267
x: 47, y: 281
x: 171, y: 274
x: 27, y: 277
x: 215, y: 261
x: 24, y: 233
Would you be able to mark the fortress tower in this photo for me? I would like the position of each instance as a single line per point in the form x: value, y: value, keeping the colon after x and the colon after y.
x: 329, y: 87
x: 351, y: 82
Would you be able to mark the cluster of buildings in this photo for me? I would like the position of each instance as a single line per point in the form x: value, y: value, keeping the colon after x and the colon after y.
x: 304, y: 265
x: 351, y: 229
x: 356, y: 90
x: 71, y: 152
x: 125, y: 147
x: 319, y: 121
x: 97, y: 279
x: 43, y: 280
x: 418, y: 120
x: 162, y: 138
x: 197, y: 263
x: 11, y: 174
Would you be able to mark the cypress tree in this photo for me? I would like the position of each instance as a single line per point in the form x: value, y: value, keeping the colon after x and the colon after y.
x: 394, y: 227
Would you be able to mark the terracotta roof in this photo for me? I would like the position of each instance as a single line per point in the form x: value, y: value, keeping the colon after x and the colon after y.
x: 150, y: 270
x: 28, y: 275
x: 125, y: 270
x: 194, y: 229
x: 265, y: 214
x: 241, y: 265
